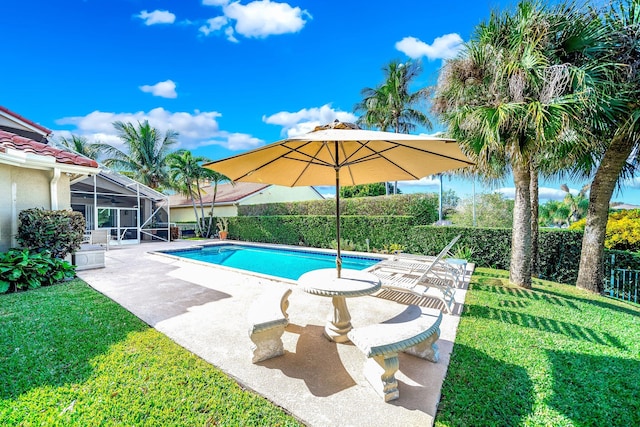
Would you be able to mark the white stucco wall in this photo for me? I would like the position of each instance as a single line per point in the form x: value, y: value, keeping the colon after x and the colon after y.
x: 185, y: 214
x: 33, y: 190
x: 280, y: 194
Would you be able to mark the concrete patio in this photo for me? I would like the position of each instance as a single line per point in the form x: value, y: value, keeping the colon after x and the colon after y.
x: 204, y: 309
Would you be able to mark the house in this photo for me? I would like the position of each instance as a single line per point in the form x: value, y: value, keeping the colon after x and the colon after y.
x: 230, y: 196
x: 33, y: 173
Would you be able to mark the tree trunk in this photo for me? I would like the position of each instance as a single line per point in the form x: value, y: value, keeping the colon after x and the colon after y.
x: 520, y: 268
x: 591, y: 272
x: 213, y: 203
x: 535, y: 230
x: 195, y: 209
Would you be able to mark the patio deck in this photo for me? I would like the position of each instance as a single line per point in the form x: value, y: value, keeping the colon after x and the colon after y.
x: 204, y: 309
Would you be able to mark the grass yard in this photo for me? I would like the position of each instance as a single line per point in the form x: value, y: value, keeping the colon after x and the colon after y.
x: 551, y: 356
x: 71, y: 357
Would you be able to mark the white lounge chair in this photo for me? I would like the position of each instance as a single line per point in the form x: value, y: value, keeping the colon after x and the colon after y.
x: 100, y: 237
x: 419, y: 277
x: 420, y: 263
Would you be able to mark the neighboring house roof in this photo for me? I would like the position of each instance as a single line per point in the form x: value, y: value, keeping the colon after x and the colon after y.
x: 227, y: 194
x: 625, y: 206
x: 17, y: 118
x: 10, y: 141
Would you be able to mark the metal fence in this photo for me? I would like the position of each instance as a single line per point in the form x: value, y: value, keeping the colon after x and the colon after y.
x: 623, y: 284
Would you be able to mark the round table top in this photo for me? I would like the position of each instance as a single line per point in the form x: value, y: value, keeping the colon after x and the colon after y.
x: 353, y: 283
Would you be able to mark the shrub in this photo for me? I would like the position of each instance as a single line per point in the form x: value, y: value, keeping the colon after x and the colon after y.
x: 398, y: 204
x: 623, y: 230
x: 21, y: 269
x: 59, y: 232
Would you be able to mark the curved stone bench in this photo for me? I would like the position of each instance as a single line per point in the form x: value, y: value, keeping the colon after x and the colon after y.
x: 267, y: 320
x: 414, y: 331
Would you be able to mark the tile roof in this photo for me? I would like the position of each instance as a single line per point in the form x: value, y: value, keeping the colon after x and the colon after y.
x: 19, y: 117
x: 16, y: 142
x: 227, y: 193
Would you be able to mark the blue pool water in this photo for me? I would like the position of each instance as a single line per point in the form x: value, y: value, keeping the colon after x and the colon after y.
x: 285, y: 263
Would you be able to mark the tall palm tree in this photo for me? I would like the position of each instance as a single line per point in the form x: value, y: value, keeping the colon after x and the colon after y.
x: 185, y: 174
x: 505, y: 100
x: 145, y: 152
x: 392, y: 106
x: 80, y: 145
x: 612, y: 117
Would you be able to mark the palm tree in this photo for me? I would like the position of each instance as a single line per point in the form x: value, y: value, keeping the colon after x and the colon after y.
x: 214, y: 179
x: 145, y: 155
x: 185, y: 176
x: 80, y: 145
x: 612, y: 118
x: 392, y: 106
x: 505, y: 100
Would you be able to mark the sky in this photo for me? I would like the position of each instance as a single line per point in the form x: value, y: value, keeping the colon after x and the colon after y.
x: 228, y: 76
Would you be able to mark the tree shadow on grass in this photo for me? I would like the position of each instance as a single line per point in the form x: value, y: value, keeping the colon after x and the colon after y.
x: 546, y: 325
x: 488, y: 284
x: 499, y: 279
x: 493, y: 393
x: 51, y: 334
x: 595, y: 390
x: 600, y: 302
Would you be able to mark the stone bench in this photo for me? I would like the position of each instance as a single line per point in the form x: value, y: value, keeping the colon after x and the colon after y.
x: 88, y: 257
x: 267, y: 320
x: 413, y: 331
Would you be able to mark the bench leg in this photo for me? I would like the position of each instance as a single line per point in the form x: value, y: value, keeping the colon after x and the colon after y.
x: 267, y: 344
x: 380, y: 371
x: 427, y: 349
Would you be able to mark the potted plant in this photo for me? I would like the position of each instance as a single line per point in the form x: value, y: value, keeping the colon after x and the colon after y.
x: 223, y: 227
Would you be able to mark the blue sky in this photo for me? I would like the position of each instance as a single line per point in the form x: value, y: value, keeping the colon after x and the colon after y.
x: 228, y: 76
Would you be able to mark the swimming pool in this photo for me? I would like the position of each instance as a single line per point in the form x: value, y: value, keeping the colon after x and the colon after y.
x: 280, y: 262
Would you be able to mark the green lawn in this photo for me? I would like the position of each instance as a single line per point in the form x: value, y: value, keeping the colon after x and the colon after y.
x: 552, y: 356
x: 71, y: 357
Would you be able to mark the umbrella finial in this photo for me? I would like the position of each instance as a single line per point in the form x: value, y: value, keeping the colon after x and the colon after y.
x: 337, y: 124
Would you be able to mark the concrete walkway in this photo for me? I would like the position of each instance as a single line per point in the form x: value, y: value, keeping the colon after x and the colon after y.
x: 204, y: 309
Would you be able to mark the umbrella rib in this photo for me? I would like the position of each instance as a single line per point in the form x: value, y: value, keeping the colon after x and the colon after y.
x: 285, y: 155
x: 309, y: 163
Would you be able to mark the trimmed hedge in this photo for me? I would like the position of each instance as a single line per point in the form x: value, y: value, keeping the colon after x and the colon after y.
x: 320, y: 231
x: 559, y: 249
x: 422, y: 207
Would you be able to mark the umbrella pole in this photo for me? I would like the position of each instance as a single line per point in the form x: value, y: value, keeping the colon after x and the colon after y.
x: 338, y: 257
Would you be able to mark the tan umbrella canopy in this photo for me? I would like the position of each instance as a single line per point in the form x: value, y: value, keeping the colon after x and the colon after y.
x: 343, y: 154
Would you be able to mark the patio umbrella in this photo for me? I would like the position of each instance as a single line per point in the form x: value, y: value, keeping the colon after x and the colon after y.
x: 343, y: 154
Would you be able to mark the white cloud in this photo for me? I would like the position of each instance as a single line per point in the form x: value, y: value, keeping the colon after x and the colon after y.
x: 215, y: 2
x: 264, y: 18
x: 257, y: 19
x: 165, y: 89
x: 431, y: 182
x: 213, y: 25
x: 157, y: 17
x: 443, y: 47
x: 305, y: 120
x: 196, y: 129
